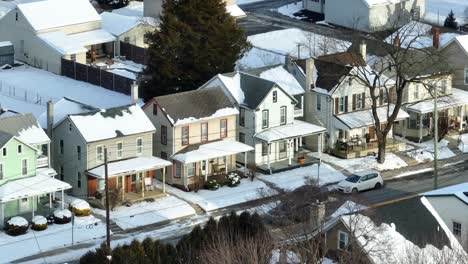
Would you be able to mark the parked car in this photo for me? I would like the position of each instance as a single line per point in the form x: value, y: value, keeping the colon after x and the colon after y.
x: 361, y: 181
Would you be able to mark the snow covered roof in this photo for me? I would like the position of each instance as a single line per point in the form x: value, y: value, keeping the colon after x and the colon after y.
x: 462, y: 40
x: 459, y: 190
x: 280, y: 76
x: 135, y: 9
x: 419, y: 35
x: 370, y: 3
x: 64, y: 107
x: 130, y: 166
x: 25, y: 127
x: 62, y: 43
x: 296, y: 129
x: 92, y: 37
x: 5, y: 43
x: 211, y: 150
x: 457, y: 98
x: 118, y: 24
x: 235, y: 11
x: 112, y: 122
x: 365, y: 118
x: 195, y: 106
x: 49, y: 14
x: 30, y: 186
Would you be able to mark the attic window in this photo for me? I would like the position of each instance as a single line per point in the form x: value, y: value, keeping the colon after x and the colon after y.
x: 155, y: 109
x: 20, y: 149
x: 350, y: 81
x: 16, y: 16
x: 4, y: 152
x: 275, y: 96
x: 70, y: 127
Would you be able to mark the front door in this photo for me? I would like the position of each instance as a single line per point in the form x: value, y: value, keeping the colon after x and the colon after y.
x: 128, y: 184
x: 283, y: 150
x: 134, y: 182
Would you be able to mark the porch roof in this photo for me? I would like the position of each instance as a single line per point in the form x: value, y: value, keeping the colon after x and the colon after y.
x: 364, y: 118
x: 212, y: 150
x: 129, y: 166
x: 457, y: 98
x: 92, y: 37
x: 46, y: 172
x: 293, y: 130
x: 30, y: 186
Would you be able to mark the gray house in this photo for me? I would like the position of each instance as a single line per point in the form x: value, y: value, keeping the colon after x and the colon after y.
x: 7, y: 53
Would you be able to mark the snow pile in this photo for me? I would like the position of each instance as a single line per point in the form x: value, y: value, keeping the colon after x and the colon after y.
x: 426, y: 151
x: 290, y: 9
x: 392, y: 162
x: 224, y: 196
x: 80, y: 204
x: 17, y: 221
x: 218, y: 114
x: 39, y: 220
x: 437, y: 10
x: 284, y: 79
x: 62, y: 213
x: 292, y: 179
x: 143, y: 213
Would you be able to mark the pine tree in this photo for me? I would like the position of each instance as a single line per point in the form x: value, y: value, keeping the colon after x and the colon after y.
x: 197, y: 39
x: 450, y: 21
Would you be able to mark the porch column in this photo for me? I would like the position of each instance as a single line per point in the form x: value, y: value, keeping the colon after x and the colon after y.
x: 33, y: 204
x: 300, y: 141
x: 142, y: 180
x: 288, y: 142
x: 245, y: 163
x: 226, y: 163
x: 50, y: 200
x: 268, y: 156
x: 462, y: 110
x: 420, y: 127
x: 319, y: 145
x: 63, y: 202
x: 206, y: 170
x: 164, y: 179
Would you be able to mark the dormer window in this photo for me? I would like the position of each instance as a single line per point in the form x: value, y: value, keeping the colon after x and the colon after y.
x: 275, y: 96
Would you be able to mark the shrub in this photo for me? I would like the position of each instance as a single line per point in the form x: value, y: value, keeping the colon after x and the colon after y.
x: 39, y: 223
x: 16, y: 226
x: 62, y: 216
x: 232, y: 179
x: 80, y: 207
x: 212, y: 185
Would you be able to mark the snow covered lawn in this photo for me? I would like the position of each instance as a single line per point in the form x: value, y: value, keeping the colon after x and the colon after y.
x: 290, y: 9
x: 86, y: 229
x: 224, y: 196
x: 392, y: 162
x: 443, y: 7
x: 426, y: 151
x: 290, y: 180
x: 146, y: 213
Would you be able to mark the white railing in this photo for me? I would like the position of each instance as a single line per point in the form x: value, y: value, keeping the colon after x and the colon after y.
x: 42, y: 161
x: 298, y: 112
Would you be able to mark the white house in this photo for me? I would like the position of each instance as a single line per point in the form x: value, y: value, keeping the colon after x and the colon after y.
x: 43, y: 32
x: 451, y: 203
x: 267, y: 120
x: 368, y: 15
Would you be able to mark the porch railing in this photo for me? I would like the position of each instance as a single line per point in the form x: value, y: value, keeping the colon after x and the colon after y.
x: 365, y: 148
x: 42, y: 161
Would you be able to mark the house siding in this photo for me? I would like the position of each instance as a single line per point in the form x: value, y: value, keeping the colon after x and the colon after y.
x: 12, y: 163
x: 458, y: 59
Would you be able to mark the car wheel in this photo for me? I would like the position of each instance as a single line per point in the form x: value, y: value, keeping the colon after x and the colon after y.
x: 355, y: 191
x: 378, y: 185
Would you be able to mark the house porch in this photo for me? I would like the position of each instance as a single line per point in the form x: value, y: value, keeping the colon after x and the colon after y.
x: 356, y: 149
x: 300, y: 159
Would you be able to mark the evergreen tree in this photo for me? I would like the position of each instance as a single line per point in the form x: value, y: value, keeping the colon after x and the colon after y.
x: 197, y: 39
x: 451, y: 21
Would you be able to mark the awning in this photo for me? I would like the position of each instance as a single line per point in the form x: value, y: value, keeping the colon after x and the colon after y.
x: 293, y: 130
x: 129, y: 166
x: 364, y: 118
x: 49, y: 172
x: 212, y: 150
x: 30, y: 186
x: 93, y: 37
x: 457, y: 98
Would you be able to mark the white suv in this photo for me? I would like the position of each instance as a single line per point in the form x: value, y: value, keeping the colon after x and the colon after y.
x: 360, y: 181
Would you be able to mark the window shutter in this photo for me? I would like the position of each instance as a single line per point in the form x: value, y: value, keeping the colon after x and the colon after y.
x: 336, y: 105
x: 363, y: 100
x: 346, y: 104
x: 354, y: 102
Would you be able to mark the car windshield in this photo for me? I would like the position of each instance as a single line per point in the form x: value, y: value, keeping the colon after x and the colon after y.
x: 353, y: 178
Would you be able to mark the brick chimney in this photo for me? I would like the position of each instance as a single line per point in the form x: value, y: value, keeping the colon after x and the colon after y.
x: 50, y: 118
x: 310, y: 73
x: 435, y: 37
x: 396, y: 41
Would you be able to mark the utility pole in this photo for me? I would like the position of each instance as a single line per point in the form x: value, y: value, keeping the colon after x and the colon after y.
x: 106, y: 177
x: 436, y: 137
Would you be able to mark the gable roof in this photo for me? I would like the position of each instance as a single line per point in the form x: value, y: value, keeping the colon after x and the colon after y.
x: 118, y: 24
x: 112, y: 122
x: 49, y: 14
x: 459, y: 190
x: 4, y: 138
x: 25, y: 127
x: 328, y: 74
x: 64, y: 107
x: 278, y: 73
x: 196, y: 105
x: 462, y: 42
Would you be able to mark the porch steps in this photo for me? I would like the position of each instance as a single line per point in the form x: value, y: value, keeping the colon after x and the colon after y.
x: 113, y: 226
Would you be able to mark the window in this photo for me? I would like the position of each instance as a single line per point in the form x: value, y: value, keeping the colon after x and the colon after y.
x: 341, y: 104
x: 177, y: 169
x: 466, y: 76
x: 4, y: 152
x: 127, y: 39
x: 265, y: 119
x: 1, y: 171
x: 343, y: 240
x: 163, y: 155
x: 119, y: 150
x: 99, y: 153
x: 359, y: 101
x: 223, y: 125
x: 164, y: 135
x: 78, y: 152
x: 70, y: 127
x: 61, y: 146
x: 242, y: 137
x: 204, y: 132
x: 190, y: 169
x: 275, y: 96
x: 350, y: 81
x: 78, y: 183
x: 241, y: 116
x: 265, y: 149
x: 20, y: 149
x: 416, y: 92
x: 73, y: 57
x: 283, y: 115
x: 139, y: 143
x: 185, y: 135
x: 319, y: 102
x: 61, y: 173
x: 16, y: 16
x: 457, y: 228
x: 155, y: 109
x: 24, y: 170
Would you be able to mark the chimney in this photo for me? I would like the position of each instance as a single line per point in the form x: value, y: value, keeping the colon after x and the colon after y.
x: 435, y: 37
x: 363, y: 50
x: 310, y: 74
x: 396, y: 41
x: 134, y: 93
x: 50, y: 118
x: 317, y: 214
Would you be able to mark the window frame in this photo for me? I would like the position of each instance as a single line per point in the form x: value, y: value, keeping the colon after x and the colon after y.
x: 163, y: 155
x: 100, y: 155
x: 275, y: 96
x: 283, y: 115
x: 204, y: 135
x: 459, y: 232
x: 465, y: 79
x: 19, y: 149
x: 345, y: 248
x: 61, y: 147
x: 155, y: 109
x: 341, y: 104
x: 179, y: 166
x: 266, y: 151
x: 62, y: 177
x: 223, y: 132
x: 23, y: 171
x: 265, y: 118
x: 118, y: 151
x: 163, y: 134
x: 242, y: 137
x: 183, y: 142
x: 4, y: 152
x: 193, y: 168
x: 139, y: 148
x: 78, y: 178
x: 2, y: 171
x: 78, y: 152
x: 241, y: 116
